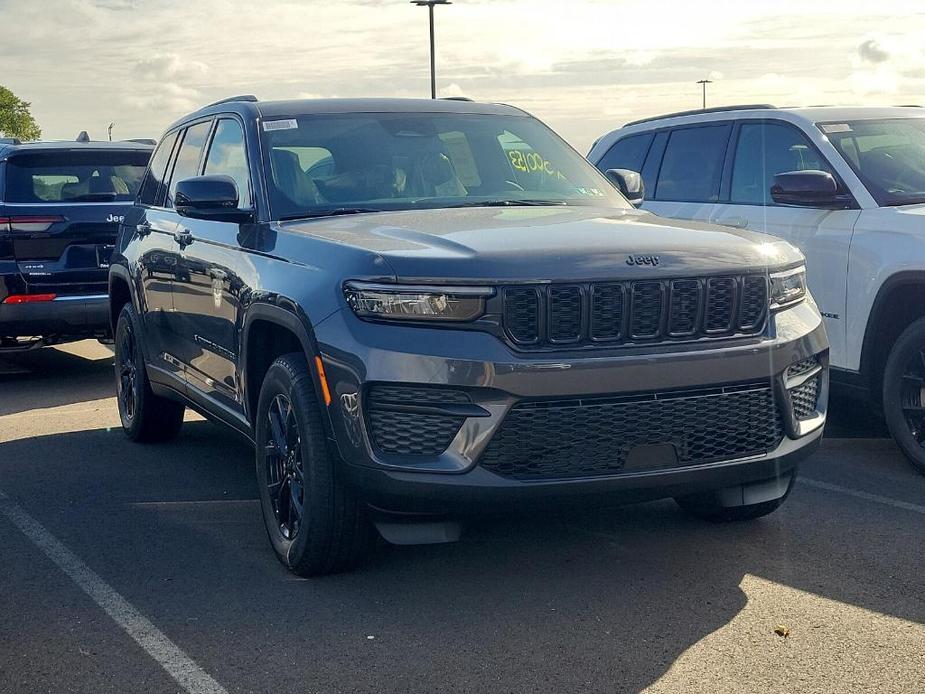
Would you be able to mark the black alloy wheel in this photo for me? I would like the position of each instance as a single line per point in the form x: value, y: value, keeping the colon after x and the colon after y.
x: 127, y: 374
x: 145, y: 417
x: 285, y: 471
x: 904, y: 393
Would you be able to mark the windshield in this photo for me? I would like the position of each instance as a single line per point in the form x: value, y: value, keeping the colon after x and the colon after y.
x: 69, y: 176
x: 887, y: 155
x: 401, y: 161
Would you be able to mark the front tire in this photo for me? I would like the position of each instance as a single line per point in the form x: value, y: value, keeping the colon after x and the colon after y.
x: 146, y: 417
x: 904, y: 393
x: 314, y: 521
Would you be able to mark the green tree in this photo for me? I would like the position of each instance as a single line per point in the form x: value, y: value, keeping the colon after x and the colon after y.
x: 15, y: 118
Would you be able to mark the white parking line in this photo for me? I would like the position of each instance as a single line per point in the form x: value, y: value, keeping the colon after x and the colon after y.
x: 867, y: 496
x: 155, y: 643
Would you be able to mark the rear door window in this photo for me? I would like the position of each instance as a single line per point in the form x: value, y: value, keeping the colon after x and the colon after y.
x: 189, y: 156
x: 693, y: 164
x: 154, y: 186
x: 228, y: 156
x: 69, y: 176
x: 628, y: 153
x: 765, y: 150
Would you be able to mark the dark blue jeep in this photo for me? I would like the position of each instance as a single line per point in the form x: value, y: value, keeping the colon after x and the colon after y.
x: 60, y: 208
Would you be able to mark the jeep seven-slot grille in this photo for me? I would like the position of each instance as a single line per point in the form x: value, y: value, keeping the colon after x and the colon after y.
x: 645, y: 310
x: 557, y: 439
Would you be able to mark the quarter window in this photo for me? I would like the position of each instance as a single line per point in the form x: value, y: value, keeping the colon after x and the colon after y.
x: 628, y: 153
x: 693, y: 164
x: 187, y: 165
x: 763, y: 151
x: 228, y: 156
x: 152, y: 190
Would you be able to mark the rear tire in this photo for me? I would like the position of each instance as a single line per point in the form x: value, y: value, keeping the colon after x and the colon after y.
x: 314, y: 521
x: 904, y: 393
x: 146, y: 417
x: 708, y: 507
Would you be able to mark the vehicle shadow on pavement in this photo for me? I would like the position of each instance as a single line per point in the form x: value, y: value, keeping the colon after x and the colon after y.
x: 601, y: 599
x: 51, y: 378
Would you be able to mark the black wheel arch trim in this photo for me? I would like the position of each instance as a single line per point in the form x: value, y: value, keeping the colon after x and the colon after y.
x: 121, y: 273
x: 868, y: 367
x: 287, y: 314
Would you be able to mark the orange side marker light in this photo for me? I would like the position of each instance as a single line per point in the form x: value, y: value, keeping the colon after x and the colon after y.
x: 325, y: 391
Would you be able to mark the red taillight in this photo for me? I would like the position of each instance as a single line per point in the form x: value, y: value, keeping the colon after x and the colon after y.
x: 4, y: 223
x: 29, y: 298
x: 32, y: 224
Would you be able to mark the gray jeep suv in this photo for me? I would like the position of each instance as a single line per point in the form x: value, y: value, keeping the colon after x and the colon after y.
x: 423, y: 310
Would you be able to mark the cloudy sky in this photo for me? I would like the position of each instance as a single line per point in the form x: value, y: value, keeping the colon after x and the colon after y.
x: 584, y: 66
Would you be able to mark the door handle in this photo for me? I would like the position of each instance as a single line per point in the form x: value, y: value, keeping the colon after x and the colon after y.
x: 734, y: 222
x: 143, y: 229
x: 184, y: 237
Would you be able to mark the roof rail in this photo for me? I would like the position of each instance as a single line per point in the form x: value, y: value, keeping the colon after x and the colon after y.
x: 908, y: 105
x: 241, y: 97
x: 142, y: 140
x: 10, y: 141
x: 697, y: 111
x: 456, y: 98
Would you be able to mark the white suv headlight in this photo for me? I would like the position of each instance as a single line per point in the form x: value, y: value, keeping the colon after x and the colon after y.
x: 416, y: 303
x: 788, y: 287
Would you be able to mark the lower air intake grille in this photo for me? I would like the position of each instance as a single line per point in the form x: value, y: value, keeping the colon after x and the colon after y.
x: 586, y: 438
x: 398, y: 432
x: 805, y: 399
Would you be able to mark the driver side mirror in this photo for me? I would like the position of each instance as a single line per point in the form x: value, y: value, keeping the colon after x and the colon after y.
x: 210, y: 197
x: 629, y: 183
x: 808, y: 189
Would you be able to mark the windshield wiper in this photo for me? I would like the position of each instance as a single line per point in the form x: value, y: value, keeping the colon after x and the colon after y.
x: 509, y: 203
x: 914, y: 198
x: 336, y: 212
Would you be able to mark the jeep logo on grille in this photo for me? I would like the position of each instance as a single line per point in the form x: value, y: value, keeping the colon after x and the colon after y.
x: 642, y: 260
x: 118, y: 218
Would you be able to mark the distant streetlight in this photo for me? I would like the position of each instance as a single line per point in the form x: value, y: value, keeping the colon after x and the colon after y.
x: 705, y: 83
x: 429, y: 4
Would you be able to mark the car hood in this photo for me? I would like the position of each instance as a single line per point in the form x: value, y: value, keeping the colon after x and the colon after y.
x: 547, y: 243
x: 915, y: 210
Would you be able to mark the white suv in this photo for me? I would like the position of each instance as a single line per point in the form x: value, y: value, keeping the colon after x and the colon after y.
x: 845, y: 185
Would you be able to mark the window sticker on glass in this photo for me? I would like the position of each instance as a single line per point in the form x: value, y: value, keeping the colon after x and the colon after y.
x: 590, y: 192
x: 828, y: 128
x: 287, y: 124
x: 460, y: 153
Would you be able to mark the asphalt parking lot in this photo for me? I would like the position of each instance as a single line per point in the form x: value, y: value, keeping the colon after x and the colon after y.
x: 169, y: 539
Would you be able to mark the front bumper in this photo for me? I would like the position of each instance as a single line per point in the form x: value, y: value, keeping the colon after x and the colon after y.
x: 358, y: 354
x: 65, y: 316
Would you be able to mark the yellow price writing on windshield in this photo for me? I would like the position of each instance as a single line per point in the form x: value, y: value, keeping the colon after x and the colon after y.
x: 529, y: 162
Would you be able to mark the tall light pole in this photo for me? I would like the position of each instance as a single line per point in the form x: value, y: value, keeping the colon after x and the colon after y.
x: 429, y: 4
x: 705, y: 83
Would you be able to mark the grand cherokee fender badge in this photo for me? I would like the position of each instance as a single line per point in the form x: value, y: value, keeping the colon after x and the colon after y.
x: 642, y: 260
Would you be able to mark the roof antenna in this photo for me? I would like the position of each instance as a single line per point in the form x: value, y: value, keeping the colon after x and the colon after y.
x: 110, y: 131
x: 83, y: 137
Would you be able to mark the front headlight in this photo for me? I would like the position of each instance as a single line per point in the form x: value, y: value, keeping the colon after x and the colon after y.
x: 788, y: 287
x: 416, y: 303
